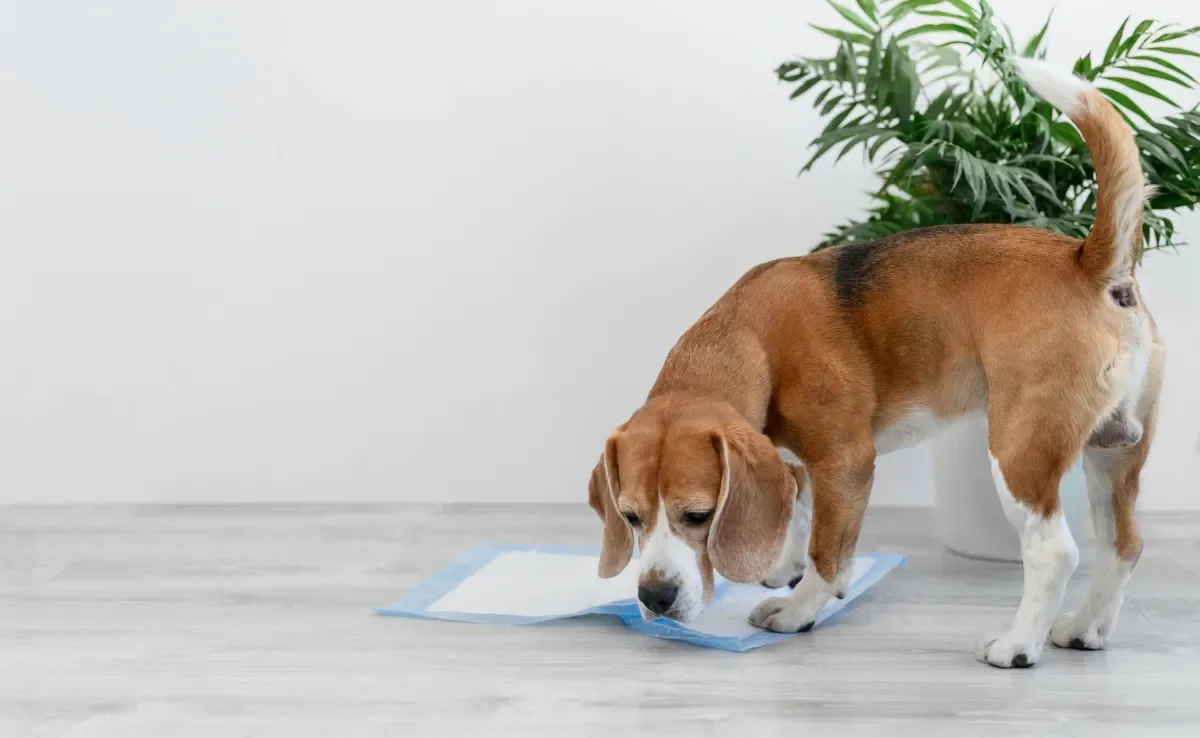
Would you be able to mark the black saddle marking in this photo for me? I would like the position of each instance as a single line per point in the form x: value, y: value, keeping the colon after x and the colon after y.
x: 854, y: 268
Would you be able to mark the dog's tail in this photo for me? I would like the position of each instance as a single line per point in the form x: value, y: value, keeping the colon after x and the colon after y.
x: 1111, y: 250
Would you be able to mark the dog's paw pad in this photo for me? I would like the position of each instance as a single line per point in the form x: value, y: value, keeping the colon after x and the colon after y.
x: 782, y: 615
x: 785, y: 576
x: 1070, y: 632
x: 1007, y: 653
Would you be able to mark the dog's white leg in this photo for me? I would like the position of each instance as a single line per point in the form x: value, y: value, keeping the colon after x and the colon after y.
x: 832, y: 539
x: 797, y: 612
x: 1049, y: 557
x: 1090, y: 627
x: 794, y: 559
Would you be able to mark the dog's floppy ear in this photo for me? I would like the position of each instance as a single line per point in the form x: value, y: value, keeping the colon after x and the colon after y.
x: 755, y: 506
x: 602, y: 496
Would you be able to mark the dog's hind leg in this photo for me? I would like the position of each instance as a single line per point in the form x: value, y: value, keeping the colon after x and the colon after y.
x: 1032, y: 444
x: 1112, y: 477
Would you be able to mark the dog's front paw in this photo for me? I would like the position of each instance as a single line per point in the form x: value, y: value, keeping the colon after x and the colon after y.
x: 1007, y: 652
x: 787, y: 575
x: 1079, y: 632
x: 783, y: 615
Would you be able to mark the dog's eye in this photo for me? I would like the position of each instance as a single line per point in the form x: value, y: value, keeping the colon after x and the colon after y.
x: 633, y: 519
x: 696, y: 517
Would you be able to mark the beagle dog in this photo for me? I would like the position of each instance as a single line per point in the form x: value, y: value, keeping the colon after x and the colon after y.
x: 853, y: 351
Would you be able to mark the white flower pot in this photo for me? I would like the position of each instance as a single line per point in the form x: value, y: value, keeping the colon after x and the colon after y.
x: 970, y: 519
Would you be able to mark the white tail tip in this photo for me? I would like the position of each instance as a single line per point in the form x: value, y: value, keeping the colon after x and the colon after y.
x: 1061, y: 89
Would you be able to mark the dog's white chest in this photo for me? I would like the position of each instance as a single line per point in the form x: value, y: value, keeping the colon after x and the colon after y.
x: 915, y: 426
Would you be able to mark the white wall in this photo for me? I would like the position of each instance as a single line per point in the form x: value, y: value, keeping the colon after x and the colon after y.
x: 260, y: 251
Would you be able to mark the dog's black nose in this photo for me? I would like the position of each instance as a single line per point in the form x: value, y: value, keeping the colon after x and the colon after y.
x: 658, y: 597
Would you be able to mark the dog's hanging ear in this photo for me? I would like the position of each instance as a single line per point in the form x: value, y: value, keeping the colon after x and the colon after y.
x: 755, y: 506
x: 602, y: 496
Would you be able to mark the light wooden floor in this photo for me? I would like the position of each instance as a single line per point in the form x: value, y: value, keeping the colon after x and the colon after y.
x: 174, y: 622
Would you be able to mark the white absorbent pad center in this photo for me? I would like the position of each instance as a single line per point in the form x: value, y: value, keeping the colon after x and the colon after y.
x: 536, y: 584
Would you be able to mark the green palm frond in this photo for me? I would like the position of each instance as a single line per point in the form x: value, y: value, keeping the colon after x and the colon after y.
x: 925, y: 91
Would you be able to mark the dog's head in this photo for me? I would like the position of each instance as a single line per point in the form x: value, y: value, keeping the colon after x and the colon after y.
x: 699, y: 493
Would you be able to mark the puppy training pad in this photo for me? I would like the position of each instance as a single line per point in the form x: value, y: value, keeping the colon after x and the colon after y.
x: 532, y: 584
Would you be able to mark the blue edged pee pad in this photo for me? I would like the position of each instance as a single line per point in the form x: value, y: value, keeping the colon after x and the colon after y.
x: 533, y: 584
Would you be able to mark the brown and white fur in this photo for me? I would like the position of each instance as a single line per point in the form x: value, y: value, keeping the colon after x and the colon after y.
x: 853, y: 351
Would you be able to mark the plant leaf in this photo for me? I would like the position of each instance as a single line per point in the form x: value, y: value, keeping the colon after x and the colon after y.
x: 902, y: 9
x: 1158, y: 151
x: 936, y: 28
x: 1157, y: 73
x: 851, y: 16
x: 833, y: 138
x: 854, y: 38
x: 965, y: 8
x: 1040, y: 183
x: 1122, y: 99
x: 848, y: 66
x: 1173, y: 154
x: 838, y: 119
x: 959, y: 73
x: 942, y: 14
x: 938, y: 104
x: 1174, y: 35
x: 850, y: 145
x: 1115, y: 43
x: 879, y: 142
x: 906, y: 86
x: 1035, y: 43
x: 976, y: 179
x: 984, y: 28
x: 1083, y: 65
x: 1018, y: 184
x: 883, y: 89
x: 941, y: 56
x: 1164, y: 63
x: 830, y: 105
x: 804, y: 87
x: 1167, y: 65
x: 1142, y: 27
x: 791, y: 72
x: 1000, y: 182
x: 1173, y: 50
x: 1143, y: 88
x: 873, y: 60
x: 868, y: 7
x: 1133, y: 37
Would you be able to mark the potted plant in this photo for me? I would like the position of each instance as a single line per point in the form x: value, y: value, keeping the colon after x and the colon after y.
x: 925, y: 91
